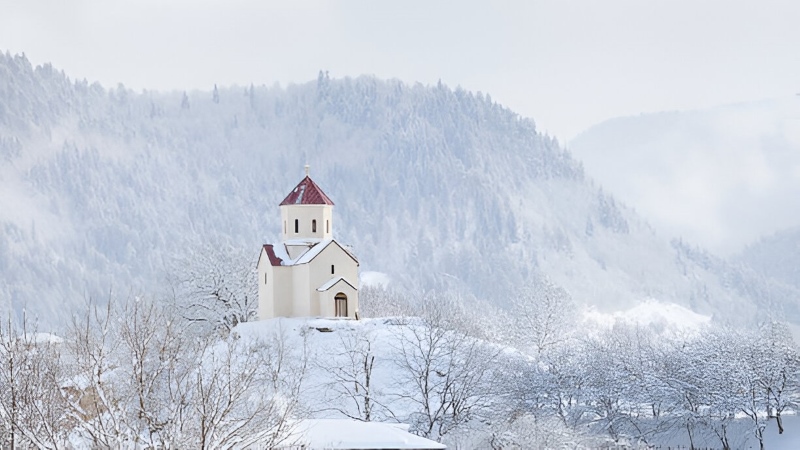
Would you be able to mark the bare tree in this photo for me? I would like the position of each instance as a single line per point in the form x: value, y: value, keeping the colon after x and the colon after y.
x: 92, y: 346
x: 379, y: 301
x: 562, y: 381
x: 350, y: 385
x: 779, y: 365
x: 140, y: 380
x: 444, y: 374
x: 156, y: 362
x: 545, y: 316
x: 31, y: 402
x: 215, y: 287
x: 245, y: 393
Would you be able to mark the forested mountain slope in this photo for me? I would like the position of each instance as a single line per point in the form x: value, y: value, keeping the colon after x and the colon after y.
x: 719, y: 177
x: 776, y: 256
x: 439, y: 188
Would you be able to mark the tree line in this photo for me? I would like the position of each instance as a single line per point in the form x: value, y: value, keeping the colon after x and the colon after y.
x: 191, y: 372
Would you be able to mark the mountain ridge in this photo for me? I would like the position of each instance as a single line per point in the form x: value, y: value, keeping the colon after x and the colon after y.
x: 720, y: 177
x: 440, y: 188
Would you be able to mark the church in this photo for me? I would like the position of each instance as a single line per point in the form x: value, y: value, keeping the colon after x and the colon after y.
x: 309, y: 274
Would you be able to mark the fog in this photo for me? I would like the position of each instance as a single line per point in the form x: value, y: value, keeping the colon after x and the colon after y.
x: 566, y: 64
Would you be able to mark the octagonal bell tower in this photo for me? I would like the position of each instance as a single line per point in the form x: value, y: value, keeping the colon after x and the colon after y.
x: 306, y: 216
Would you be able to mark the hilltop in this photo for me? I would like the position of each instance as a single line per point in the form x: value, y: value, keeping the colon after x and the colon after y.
x: 438, y: 188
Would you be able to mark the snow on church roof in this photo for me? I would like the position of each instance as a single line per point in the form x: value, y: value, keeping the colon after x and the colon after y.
x: 278, y: 256
x: 332, y: 282
x: 312, y: 252
x: 306, y: 193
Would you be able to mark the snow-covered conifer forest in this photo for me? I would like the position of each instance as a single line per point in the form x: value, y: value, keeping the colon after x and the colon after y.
x: 131, y: 222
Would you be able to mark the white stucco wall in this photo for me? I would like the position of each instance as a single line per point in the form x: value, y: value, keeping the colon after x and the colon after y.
x: 320, y: 273
x: 275, y: 296
x: 305, y: 214
x: 282, y: 292
x: 301, y: 305
x: 327, y: 300
x: 265, y: 295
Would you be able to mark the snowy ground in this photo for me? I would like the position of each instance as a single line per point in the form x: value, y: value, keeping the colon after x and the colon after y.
x: 662, y: 317
x: 741, y: 437
x: 327, y: 339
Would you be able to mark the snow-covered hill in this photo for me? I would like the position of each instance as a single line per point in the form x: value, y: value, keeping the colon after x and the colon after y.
x: 138, y: 375
x: 651, y: 335
x: 102, y: 189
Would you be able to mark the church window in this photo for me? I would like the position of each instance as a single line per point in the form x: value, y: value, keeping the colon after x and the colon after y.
x: 332, y: 271
x: 265, y: 277
x: 327, y: 227
x: 313, y: 226
x: 296, y: 226
x: 341, y: 304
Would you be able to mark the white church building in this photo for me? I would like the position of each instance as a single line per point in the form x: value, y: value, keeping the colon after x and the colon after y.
x: 309, y: 274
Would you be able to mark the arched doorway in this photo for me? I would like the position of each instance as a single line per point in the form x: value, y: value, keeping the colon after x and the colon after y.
x: 340, y: 301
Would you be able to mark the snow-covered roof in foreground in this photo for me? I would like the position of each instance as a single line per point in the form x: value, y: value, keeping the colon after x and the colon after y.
x: 357, y: 435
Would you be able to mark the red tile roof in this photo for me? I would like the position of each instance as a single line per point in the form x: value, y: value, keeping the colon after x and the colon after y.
x: 306, y: 193
x: 273, y: 260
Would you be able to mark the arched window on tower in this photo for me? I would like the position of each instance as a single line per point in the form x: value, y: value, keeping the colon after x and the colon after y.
x: 314, y: 226
x: 296, y: 226
x: 327, y: 226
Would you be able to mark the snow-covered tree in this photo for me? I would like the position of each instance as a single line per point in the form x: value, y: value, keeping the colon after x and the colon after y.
x: 545, y: 316
x: 443, y: 373
x: 351, y: 384
x: 138, y: 378
x: 33, y: 409
x: 93, y: 346
x: 779, y: 364
x: 244, y: 393
x: 215, y: 287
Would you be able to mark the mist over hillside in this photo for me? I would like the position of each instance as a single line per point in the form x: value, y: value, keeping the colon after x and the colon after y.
x: 436, y: 187
x: 776, y: 256
x: 720, y: 177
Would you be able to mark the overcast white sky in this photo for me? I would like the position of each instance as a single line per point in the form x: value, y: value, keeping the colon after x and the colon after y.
x: 566, y: 64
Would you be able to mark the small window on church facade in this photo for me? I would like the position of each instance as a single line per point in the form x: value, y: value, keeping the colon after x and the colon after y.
x: 313, y: 226
x: 265, y: 278
x: 327, y: 227
x: 296, y: 226
x: 332, y: 271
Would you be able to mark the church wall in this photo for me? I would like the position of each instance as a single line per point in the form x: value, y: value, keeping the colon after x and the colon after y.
x: 282, y: 291
x: 274, y: 296
x: 302, y: 297
x: 305, y: 214
x: 315, y: 304
x: 328, y: 306
x: 344, y: 266
x: 291, y: 291
x: 265, y: 296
